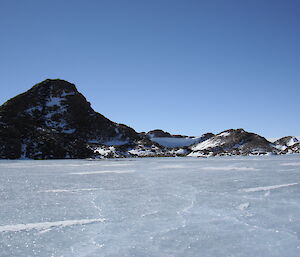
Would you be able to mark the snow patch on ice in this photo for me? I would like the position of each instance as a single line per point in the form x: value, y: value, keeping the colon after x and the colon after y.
x: 67, y: 190
x: 171, y: 166
x: 229, y: 168
x: 102, y: 172
x: 117, y: 164
x: 149, y: 214
x: 243, y: 206
x: 290, y: 164
x: 266, y: 188
x: 47, y: 225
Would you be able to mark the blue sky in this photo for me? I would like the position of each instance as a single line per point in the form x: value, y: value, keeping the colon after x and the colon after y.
x: 186, y: 66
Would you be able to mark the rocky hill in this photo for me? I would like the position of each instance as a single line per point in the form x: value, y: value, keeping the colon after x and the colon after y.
x: 288, y: 145
x: 54, y: 120
x: 285, y: 142
x: 233, y: 142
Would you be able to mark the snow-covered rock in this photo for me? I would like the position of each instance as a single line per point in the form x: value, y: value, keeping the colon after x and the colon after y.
x: 138, y: 149
x: 294, y: 148
x: 284, y: 142
x: 233, y: 142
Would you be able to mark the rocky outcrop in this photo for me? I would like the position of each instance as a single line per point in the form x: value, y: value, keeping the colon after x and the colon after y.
x: 233, y: 142
x: 54, y: 120
x: 285, y: 142
x: 294, y: 148
x: 158, y: 133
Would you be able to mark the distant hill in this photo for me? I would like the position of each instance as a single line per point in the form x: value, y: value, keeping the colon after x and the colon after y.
x: 233, y: 142
x: 166, y: 139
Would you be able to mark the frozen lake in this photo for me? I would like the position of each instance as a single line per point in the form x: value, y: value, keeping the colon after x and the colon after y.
x: 217, y: 207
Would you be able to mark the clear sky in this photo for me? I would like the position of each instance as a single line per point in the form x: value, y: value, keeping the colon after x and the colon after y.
x: 185, y: 66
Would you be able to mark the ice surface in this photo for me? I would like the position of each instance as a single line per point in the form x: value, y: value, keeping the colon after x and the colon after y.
x: 221, y: 206
x: 291, y: 164
x: 101, y: 172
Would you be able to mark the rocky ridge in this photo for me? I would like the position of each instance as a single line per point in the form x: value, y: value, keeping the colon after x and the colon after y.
x: 52, y: 120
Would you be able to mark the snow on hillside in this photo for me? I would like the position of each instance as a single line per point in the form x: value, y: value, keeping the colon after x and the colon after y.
x: 241, y: 206
x: 234, y: 142
x: 285, y: 142
x: 211, y: 142
x: 292, y: 141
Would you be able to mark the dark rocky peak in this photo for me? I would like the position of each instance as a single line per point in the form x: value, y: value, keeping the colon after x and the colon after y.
x: 52, y: 104
x: 53, y: 118
x: 44, y: 97
x: 55, y: 87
